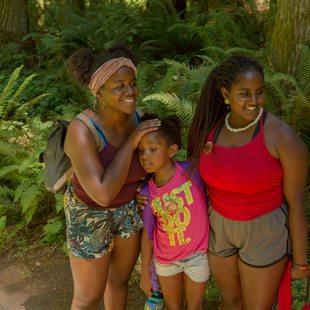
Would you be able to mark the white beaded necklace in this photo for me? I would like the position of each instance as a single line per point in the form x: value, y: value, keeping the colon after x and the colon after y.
x: 247, y: 126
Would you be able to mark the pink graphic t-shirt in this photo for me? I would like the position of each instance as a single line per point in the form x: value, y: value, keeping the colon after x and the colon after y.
x: 181, y: 216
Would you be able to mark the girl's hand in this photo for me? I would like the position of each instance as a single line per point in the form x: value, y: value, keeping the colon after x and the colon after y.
x: 141, y: 200
x: 146, y: 285
x: 143, y: 128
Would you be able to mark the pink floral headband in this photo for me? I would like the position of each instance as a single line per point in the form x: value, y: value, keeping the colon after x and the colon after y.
x: 103, y: 73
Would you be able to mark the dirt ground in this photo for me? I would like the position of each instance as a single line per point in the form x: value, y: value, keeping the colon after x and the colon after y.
x: 39, y: 278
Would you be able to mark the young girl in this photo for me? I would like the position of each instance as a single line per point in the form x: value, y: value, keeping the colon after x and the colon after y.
x: 176, y: 223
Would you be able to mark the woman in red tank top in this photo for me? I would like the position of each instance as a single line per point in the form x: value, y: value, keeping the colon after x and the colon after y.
x: 255, y: 167
x: 103, y: 226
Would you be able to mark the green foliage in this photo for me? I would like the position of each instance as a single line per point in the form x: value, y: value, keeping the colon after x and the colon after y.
x: 70, y: 30
x: 183, y: 109
x: 225, y: 29
x: 11, y: 56
x: 12, y: 103
x: 20, y: 170
x: 299, y: 293
x: 289, y: 96
x: 22, y: 194
x: 54, y: 230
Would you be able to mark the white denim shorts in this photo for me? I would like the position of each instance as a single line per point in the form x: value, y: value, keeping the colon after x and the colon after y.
x: 196, y: 267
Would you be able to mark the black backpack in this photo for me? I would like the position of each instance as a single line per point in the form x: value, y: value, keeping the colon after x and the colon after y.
x: 58, y: 168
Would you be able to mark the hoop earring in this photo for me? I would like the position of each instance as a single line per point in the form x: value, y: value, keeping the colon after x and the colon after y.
x: 95, y: 104
x: 227, y: 102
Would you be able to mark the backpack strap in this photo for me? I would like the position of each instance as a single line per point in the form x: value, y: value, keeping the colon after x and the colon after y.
x: 195, y: 175
x: 148, y: 217
x: 92, y: 129
x: 99, y: 131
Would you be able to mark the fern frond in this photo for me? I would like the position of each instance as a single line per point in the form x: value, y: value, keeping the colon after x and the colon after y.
x: 8, y: 89
x: 29, y: 200
x: 280, y: 85
x: 207, y: 60
x: 243, y: 51
x: 215, y: 52
x: 27, y: 105
x: 8, y: 169
x: 8, y: 150
x: 183, y: 109
x: 303, y: 71
x: 22, y: 87
x: 20, y: 189
x: 59, y: 202
x: 5, y: 191
x: 177, y: 65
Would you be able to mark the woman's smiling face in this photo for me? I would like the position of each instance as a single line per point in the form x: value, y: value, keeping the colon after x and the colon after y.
x: 246, y: 97
x: 120, y: 91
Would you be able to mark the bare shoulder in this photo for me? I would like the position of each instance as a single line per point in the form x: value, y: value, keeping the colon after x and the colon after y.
x: 78, y: 137
x: 279, y: 136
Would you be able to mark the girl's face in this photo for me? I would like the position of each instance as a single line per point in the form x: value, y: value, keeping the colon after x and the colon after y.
x: 120, y: 91
x: 154, y: 152
x: 246, y: 97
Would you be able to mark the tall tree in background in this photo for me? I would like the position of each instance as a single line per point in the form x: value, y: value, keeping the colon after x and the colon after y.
x: 180, y: 6
x: 40, y: 13
x: 291, y: 31
x: 13, y: 21
x: 77, y: 5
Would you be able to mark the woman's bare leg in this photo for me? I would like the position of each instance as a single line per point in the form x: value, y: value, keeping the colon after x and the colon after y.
x: 226, y: 273
x: 89, y: 277
x: 123, y: 260
x: 260, y: 285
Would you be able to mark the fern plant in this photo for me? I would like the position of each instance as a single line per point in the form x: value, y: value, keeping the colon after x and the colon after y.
x: 20, y: 172
x: 21, y: 140
x: 12, y: 103
x: 289, y: 96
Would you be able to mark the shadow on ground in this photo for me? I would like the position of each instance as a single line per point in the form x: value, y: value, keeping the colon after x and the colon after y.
x: 40, y: 279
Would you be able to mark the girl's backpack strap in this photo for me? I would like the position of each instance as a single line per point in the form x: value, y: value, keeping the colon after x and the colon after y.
x: 195, y: 175
x: 148, y: 217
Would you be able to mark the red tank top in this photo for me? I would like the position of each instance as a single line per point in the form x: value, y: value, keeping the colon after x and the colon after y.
x: 244, y: 182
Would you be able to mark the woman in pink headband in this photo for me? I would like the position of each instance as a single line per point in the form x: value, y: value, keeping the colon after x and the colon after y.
x: 103, y: 225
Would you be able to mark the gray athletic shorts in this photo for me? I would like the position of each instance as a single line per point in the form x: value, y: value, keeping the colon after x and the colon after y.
x: 91, y: 232
x: 196, y: 267
x: 260, y: 242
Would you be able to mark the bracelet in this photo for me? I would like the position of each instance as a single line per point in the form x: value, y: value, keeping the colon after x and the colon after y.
x: 300, y: 267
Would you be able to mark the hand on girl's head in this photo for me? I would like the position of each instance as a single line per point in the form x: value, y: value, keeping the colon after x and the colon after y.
x: 143, y: 128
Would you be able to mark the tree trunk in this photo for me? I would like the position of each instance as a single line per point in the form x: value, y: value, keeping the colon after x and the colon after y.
x: 40, y: 17
x: 291, y: 31
x: 223, y: 3
x: 77, y: 5
x: 180, y: 6
x: 94, y: 3
x: 13, y: 21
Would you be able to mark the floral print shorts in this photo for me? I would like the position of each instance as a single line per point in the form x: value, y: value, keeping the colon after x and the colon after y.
x: 91, y: 232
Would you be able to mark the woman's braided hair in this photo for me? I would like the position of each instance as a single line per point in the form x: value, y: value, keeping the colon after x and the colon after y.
x: 211, y: 107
